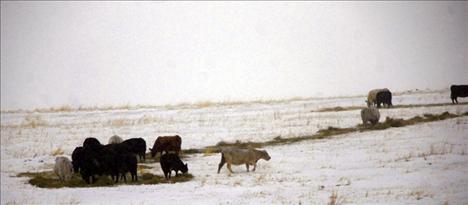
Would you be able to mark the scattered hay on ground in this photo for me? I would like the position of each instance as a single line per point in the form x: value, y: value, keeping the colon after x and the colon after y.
x: 47, y: 179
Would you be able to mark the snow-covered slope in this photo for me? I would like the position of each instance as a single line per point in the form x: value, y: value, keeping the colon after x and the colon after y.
x: 421, y: 164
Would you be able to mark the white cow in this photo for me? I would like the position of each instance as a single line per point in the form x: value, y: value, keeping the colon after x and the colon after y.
x: 115, y: 140
x: 63, y: 168
x: 238, y: 156
x: 370, y: 114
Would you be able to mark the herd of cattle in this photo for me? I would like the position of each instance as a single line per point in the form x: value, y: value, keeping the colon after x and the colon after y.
x: 383, y: 96
x: 119, y: 157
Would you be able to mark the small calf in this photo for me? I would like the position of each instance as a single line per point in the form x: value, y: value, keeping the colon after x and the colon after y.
x: 171, y: 162
x: 63, y: 168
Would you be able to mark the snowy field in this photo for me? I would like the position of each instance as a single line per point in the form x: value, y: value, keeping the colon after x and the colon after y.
x: 421, y: 164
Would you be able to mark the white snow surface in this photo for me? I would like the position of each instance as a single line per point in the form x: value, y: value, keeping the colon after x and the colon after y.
x: 421, y: 164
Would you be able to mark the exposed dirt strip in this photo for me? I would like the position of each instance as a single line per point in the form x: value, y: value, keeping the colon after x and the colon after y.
x: 329, y: 132
x: 338, y: 108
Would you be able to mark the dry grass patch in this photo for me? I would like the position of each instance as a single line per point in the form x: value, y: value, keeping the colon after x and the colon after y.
x: 347, y: 108
x: 325, y: 133
x: 209, y: 152
x: 121, y: 122
x: 333, y: 198
x: 33, y: 121
x: 63, y: 108
x: 48, y: 179
x: 334, y: 131
x: 145, y: 119
x: 57, y: 151
x: 338, y: 109
x: 418, y: 195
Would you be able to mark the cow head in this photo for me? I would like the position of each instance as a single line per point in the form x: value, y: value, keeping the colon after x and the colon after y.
x: 153, y: 152
x: 265, y: 155
x: 184, y: 168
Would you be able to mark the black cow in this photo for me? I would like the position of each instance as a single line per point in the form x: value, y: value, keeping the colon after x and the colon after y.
x: 92, y: 143
x: 112, y: 160
x: 137, y: 146
x: 458, y: 91
x: 171, y: 162
x: 117, y: 159
x: 89, y: 164
x: 76, y: 158
x: 384, y: 97
x: 129, y: 164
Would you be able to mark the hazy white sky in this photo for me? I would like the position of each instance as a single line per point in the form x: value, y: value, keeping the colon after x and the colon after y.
x: 114, y: 53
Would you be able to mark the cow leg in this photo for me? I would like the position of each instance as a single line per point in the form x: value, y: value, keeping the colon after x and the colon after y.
x: 247, y: 166
x: 255, y: 167
x: 229, y: 168
x: 221, y: 164
x: 176, y: 173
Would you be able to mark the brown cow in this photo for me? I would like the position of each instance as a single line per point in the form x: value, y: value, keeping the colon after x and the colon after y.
x: 166, y: 143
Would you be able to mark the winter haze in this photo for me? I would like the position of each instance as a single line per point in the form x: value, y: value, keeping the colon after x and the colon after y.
x: 114, y: 53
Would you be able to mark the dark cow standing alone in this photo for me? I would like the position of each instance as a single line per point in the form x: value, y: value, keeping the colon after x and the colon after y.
x: 458, y: 91
x: 171, y: 162
x: 166, y: 143
x: 137, y: 146
x: 384, y: 97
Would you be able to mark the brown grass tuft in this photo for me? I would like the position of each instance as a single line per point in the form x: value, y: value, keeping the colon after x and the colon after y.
x: 57, y: 151
x: 333, y: 198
